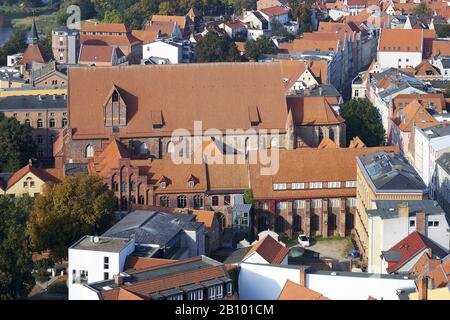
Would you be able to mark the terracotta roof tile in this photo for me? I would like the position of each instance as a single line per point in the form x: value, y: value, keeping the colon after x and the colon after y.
x: 312, y: 110
x: 103, y: 27
x: 409, y: 247
x: 161, y: 27
x: 294, y: 291
x: 93, y: 54
x: 180, y: 20
x: 268, y: 248
x: 414, y: 114
x: 306, y: 165
x: 32, y: 53
x: 215, y: 91
x: 145, y: 36
x: 139, y: 263
x: 274, y: 11
x: 40, y: 173
x: 402, y: 40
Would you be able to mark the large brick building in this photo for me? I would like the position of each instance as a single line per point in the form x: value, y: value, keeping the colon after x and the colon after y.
x: 313, y: 192
x: 46, y: 115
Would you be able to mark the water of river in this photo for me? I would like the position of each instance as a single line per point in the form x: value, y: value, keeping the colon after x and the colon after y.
x: 5, y: 28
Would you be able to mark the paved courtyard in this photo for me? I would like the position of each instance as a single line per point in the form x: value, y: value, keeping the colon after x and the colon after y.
x: 338, y: 249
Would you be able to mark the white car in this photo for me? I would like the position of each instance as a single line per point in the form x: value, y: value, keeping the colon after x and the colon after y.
x: 303, y: 240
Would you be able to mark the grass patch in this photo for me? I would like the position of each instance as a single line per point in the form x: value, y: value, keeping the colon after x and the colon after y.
x: 44, y: 23
x: 59, y: 286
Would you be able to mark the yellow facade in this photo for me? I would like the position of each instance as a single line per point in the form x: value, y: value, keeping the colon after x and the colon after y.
x: 29, y: 184
x: 433, y: 294
x: 31, y: 92
x: 365, y: 200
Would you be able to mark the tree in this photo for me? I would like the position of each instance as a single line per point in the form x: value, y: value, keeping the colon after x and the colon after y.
x: 239, y: 5
x: 301, y: 12
x: 262, y: 45
x: 422, y: 10
x: 16, y: 280
x: 15, y: 44
x: 363, y: 120
x: 277, y: 29
x: 215, y: 48
x: 112, y: 16
x: 137, y: 14
x: 16, y: 144
x: 65, y: 212
x: 248, y: 196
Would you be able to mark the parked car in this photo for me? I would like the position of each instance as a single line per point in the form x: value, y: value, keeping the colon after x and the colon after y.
x: 303, y: 240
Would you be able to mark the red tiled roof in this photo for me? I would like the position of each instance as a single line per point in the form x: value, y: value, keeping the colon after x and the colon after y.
x: 274, y: 11
x: 271, y: 250
x: 312, y: 110
x: 33, y: 52
x: 294, y: 291
x: 40, y: 173
x: 103, y: 27
x: 139, y: 263
x: 92, y: 54
x: 402, y: 40
x: 409, y: 247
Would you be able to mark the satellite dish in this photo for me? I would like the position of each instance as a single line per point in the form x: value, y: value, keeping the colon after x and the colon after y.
x: 96, y: 239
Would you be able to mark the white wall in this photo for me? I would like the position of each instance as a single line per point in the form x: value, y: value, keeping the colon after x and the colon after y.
x: 163, y: 50
x: 265, y: 282
x: 388, y: 59
x: 255, y: 257
x: 93, y: 262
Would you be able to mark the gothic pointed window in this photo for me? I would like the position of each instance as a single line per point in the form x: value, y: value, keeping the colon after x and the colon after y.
x: 115, y: 109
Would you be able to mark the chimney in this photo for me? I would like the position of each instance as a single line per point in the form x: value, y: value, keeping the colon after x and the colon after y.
x: 303, y: 277
x: 422, y: 286
x: 420, y: 222
x: 30, y: 162
x: 118, y: 280
x: 403, y: 210
x: 320, y: 91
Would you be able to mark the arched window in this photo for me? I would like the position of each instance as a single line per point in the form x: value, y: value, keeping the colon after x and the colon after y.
x: 123, y: 187
x: 133, y: 200
x: 64, y: 122
x: 124, y: 203
x: 181, y: 201
x: 198, y: 202
x: 141, y: 199
x: 28, y: 122
x: 52, y: 123
x: 39, y: 123
x: 89, y: 151
x: 164, y: 201
x: 132, y: 186
x: 115, y: 186
x: 246, y: 145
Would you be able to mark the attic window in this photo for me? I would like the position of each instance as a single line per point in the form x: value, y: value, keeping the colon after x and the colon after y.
x: 191, y: 183
x: 157, y: 119
x: 163, y: 185
x: 253, y: 114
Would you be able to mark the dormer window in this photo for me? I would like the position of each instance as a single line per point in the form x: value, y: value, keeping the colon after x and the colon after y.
x: 163, y: 185
x: 115, y: 109
x: 191, y: 183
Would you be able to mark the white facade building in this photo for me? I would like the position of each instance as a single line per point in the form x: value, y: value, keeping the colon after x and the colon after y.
x: 93, y: 259
x: 170, y: 50
x: 265, y: 282
x: 391, y: 221
x: 429, y: 144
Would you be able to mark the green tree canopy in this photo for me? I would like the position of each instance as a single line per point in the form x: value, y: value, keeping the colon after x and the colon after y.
x: 215, y: 48
x: 15, y: 44
x: 112, y: 16
x: 301, y: 12
x: 65, y: 212
x: 422, y: 10
x: 277, y: 29
x: 16, y: 280
x: 363, y: 120
x: 262, y: 45
x: 17, y: 146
